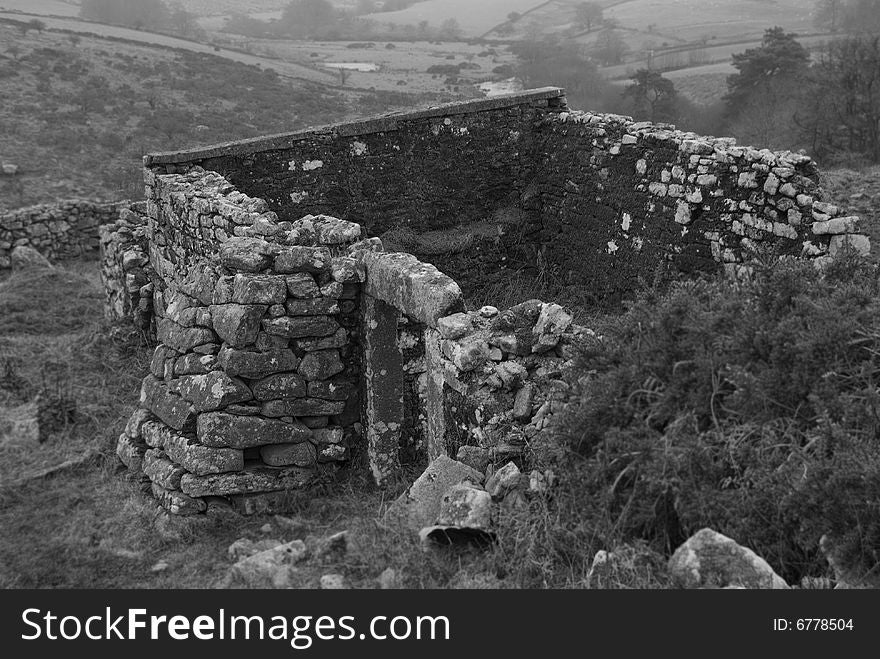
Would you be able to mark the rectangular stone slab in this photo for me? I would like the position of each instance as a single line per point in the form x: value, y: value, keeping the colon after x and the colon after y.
x: 257, y: 364
x: 217, y: 429
x: 255, y: 479
x: 417, y: 289
x: 202, y: 460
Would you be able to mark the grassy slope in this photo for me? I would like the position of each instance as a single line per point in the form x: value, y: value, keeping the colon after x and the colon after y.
x: 77, y: 115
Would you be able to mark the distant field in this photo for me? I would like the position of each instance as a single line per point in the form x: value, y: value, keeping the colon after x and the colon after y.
x: 692, y: 20
x: 403, y: 68
x: 46, y: 7
x: 100, y: 29
x: 474, y: 17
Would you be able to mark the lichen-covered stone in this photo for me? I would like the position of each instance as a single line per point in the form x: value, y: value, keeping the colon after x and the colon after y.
x: 237, y: 324
x: 337, y: 340
x: 256, y: 364
x: 199, y: 459
x: 298, y: 328
x: 302, y: 454
x: 211, y: 391
x: 218, y: 429
x: 169, y: 407
x: 180, y: 338
x: 302, y: 285
x: 302, y: 259
x: 317, y: 306
x: 258, y: 289
x: 247, y: 254
x: 302, y: 407
x: 281, y: 386
x: 254, y: 479
x: 160, y: 470
x: 418, y: 289
x: 331, y: 389
x: 320, y: 365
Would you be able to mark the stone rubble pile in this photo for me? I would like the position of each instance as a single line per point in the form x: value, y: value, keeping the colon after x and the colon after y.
x: 504, y: 373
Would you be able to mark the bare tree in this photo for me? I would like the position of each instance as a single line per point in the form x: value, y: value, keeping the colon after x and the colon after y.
x: 588, y: 14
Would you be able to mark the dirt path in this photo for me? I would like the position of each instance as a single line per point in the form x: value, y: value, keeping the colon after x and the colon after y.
x: 287, y: 69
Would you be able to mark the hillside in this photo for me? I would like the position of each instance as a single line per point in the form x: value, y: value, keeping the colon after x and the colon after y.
x: 475, y: 18
x: 80, y: 111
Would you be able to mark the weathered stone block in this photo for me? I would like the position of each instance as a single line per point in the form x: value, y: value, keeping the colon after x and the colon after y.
x: 383, y: 369
x: 254, y: 479
x: 237, y: 324
x: 256, y: 364
x: 170, y: 408
x: 302, y: 259
x: 217, y: 429
x: 258, y: 289
x: 202, y: 460
x: 211, y: 391
x: 160, y: 470
x: 298, y: 328
x: 247, y: 254
x: 281, y: 386
x: 417, y: 289
x: 455, y: 326
x: 320, y: 365
x: 317, y: 306
x: 180, y: 338
x: 337, y: 340
x: 302, y: 285
x: 302, y: 454
x: 331, y: 389
x: 302, y: 407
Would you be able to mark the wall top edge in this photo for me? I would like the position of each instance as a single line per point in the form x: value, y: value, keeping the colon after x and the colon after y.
x: 378, y: 124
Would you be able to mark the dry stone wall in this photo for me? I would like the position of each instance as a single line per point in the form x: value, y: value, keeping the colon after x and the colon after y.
x: 521, y: 183
x: 252, y: 392
x: 125, y: 268
x: 632, y: 197
x: 66, y: 229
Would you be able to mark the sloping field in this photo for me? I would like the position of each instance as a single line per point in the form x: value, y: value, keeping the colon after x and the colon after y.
x: 475, y: 18
x: 693, y: 20
x: 287, y: 69
x: 42, y: 7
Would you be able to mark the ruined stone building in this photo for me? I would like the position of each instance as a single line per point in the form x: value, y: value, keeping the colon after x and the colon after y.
x: 294, y: 346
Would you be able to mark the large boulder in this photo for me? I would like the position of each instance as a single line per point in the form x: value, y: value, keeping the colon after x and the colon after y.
x: 709, y: 559
x: 24, y: 257
x: 420, y: 505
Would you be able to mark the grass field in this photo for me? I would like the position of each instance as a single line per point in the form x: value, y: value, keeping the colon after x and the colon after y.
x: 475, y: 18
x: 693, y: 20
x: 402, y: 67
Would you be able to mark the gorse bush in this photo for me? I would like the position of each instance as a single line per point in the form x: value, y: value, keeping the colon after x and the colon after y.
x: 751, y: 407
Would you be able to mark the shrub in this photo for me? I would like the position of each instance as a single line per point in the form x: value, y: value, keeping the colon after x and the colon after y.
x: 749, y: 407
